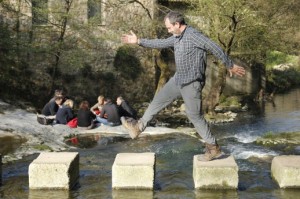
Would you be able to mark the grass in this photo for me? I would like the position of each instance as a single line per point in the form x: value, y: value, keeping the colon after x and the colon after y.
x: 42, y: 147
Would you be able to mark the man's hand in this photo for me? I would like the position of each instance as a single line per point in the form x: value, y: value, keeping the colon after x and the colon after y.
x: 130, y: 38
x: 237, y: 70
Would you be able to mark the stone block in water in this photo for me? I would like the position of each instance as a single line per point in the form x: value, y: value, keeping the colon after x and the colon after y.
x: 133, y: 171
x: 54, y: 170
x: 215, y: 174
x: 286, y: 171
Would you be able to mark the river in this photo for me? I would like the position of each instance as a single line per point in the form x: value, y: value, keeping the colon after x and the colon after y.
x: 174, y: 157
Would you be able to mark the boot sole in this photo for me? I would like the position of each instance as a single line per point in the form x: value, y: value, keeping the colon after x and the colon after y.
x: 220, y: 156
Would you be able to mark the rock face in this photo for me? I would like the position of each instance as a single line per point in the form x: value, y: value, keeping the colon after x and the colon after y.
x: 133, y: 171
x: 56, y: 170
x: 286, y: 171
x: 215, y: 174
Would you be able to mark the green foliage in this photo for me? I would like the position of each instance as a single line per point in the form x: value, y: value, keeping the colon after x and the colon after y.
x: 127, y: 62
x: 269, y: 134
x: 275, y: 58
x: 282, y: 81
x: 229, y: 101
x: 43, y: 147
x: 248, y: 28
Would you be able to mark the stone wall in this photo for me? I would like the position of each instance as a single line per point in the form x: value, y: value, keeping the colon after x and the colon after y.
x: 250, y: 84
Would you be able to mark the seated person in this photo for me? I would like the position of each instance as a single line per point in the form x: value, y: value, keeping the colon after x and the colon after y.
x: 96, y: 109
x: 125, y: 109
x: 59, y: 93
x: 85, y: 117
x: 52, y: 106
x: 111, y: 110
x: 65, y: 112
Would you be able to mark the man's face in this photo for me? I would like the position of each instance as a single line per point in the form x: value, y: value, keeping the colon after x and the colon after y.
x: 119, y: 101
x: 173, y: 29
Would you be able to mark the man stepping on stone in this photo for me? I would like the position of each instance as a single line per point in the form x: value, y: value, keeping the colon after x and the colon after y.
x: 190, y: 50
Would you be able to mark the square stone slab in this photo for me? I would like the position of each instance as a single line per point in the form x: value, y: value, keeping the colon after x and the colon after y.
x: 215, y: 174
x: 286, y: 171
x: 133, y: 171
x: 54, y: 170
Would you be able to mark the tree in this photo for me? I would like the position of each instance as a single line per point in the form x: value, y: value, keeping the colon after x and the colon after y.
x: 245, y: 29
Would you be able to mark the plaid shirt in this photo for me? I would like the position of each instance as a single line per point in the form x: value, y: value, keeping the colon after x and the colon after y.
x: 190, y: 49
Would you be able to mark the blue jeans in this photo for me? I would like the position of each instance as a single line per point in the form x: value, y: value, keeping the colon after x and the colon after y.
x: 191, y: 94
x: 105, y: 122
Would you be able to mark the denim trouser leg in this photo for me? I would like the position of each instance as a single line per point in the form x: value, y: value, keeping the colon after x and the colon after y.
x: 191, y: 95
x: 164, y: 97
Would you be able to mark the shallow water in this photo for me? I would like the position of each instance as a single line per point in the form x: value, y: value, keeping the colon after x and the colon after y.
x: 10, y: 142
x: 174, y: 157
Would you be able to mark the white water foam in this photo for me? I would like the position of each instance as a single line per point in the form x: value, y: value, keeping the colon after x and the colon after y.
x: 249, y: 154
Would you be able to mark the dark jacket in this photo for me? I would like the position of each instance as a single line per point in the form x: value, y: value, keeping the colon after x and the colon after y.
x: 126, y: 110
x: 50, y: 108
x: 111, y: 110
x: 85, y: 118
x: 64, y: 115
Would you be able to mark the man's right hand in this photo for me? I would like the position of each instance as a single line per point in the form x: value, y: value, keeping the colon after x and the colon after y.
x: 129, y: 38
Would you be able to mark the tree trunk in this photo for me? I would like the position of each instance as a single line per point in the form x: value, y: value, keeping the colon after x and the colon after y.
x: 213, y: 97
x: 164, y: 70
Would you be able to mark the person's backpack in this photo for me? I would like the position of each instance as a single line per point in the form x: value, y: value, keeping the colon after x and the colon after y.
x: 45, y: 120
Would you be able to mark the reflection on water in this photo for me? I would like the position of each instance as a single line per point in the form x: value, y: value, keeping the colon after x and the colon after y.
x: 132, y: 194
x: 174, y: 157
x: 41, y: 194
x: 9, y: 143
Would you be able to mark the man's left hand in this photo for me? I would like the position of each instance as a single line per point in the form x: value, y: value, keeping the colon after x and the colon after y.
x: 237, y: 70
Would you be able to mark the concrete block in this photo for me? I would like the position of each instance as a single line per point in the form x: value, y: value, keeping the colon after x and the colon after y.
x: 285, y: 171
x: 216, y: 174
x: 133, y: 171
x: 54, y: 170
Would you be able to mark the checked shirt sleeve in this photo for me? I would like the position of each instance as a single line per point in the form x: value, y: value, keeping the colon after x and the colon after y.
x: 158, y: 43
x: 204, y: 42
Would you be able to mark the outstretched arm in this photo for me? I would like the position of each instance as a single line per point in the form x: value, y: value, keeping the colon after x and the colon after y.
x: 237, y: 70
x: 130, y: 38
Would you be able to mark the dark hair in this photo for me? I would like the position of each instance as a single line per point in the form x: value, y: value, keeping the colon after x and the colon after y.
x: 174, y: 17
x: 108, y: 100
x: 85, y: 105
x: 58, y: 98
x: 59, y: 93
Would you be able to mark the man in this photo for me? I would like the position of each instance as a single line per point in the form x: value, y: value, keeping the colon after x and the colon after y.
x: 190, y: 49
x: 125, y: 109
x: 111, y: 110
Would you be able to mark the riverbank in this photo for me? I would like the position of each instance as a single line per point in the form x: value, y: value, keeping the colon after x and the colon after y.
x: 21, y: 135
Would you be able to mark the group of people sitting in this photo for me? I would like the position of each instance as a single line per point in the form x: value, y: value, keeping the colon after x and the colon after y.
x: 60, y: 110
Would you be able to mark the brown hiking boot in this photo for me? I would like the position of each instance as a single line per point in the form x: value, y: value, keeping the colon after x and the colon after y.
x: 132, y: 126
x: 212, y: 152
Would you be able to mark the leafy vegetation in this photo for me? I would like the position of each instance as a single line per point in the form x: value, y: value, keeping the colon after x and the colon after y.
x: 84, y: 56
x: 285, y: 141
x: 275, y: 58
x: 282, y: 70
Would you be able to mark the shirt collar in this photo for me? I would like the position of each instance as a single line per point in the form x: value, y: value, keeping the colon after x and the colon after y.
x: 181, y: 35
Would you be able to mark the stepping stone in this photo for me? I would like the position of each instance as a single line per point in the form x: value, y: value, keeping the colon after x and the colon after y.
x: 285, y: 171
x: 54, y: 170
x: 133, y: 171
x: 215, y: 174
